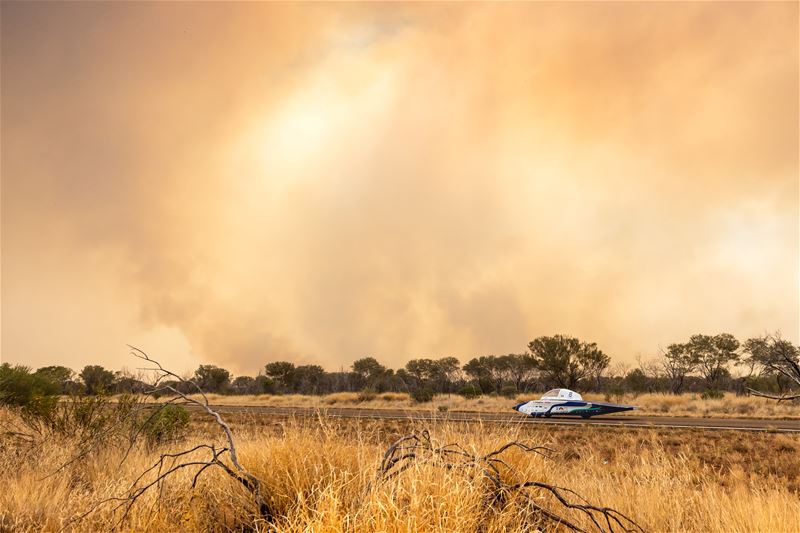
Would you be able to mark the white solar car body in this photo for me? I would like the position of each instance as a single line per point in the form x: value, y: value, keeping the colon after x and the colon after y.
x: 567, y: 402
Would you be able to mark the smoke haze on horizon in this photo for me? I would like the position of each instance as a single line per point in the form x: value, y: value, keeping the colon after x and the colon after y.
x: 238, y: 183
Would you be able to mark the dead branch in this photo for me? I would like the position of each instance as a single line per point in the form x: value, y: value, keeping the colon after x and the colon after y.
x: 422, y: 449
x: 774, y: 356
x: 238, y: 472
x: 780, y: 398
x: 171, y: 463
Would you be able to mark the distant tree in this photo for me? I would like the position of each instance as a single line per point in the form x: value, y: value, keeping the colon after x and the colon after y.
x: 212, y: 378
x: 652, y: 370
x: 96, y: 379
x: 421, y: 369
x: 405, y: 381
x: 437, y: 375
x: 615, y: 380
x: 619, y: 369
x: 251, y: 385
x: 519, y: 368
x: 487, y: 371
x: 647, y: 376
x: 282, y: 373
x: 180, y: 386
x: 774, y: 356
x: 566, y: 361
x: 263, y: 385
x: 446, y: 372
x: 636, y: 381
x: 308, y: 379
x: 243, y: 385
x: 388, y: 382
x: 370, y: 372
x: 342, y: 381
x: 713, y: 355
x: 476, y: 368
x: 127, y: 382
x: 60, y: 375
x: 56, y: 374
x: 677, y: 361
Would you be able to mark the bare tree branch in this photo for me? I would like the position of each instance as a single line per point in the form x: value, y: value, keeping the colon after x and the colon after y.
x: 171, y: 463
x: 780, y: 398
x: 241, y: 474
x: 776, y: 357
x: 421, y: 449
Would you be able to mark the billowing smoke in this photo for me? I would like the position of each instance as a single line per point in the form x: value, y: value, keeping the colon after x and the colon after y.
x: 237, y: 183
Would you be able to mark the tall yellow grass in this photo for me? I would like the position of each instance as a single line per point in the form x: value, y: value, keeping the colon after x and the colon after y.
x: 317, y: 473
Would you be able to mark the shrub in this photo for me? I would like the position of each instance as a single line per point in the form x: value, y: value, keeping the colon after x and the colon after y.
x: 469, y: 391
x: 167, y: 424
x: 394, y: 396
x: 422, y: 395
x: 712, y: 394
x: 341, y: 397
x: 366, y: 395
x: 34, y: 393
x: 86, y: 417
x: 443, y: 408
x: 508, y: 391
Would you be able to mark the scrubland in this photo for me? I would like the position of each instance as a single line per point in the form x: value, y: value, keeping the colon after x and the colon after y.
x: 317, y: 473
x: 730, y: 406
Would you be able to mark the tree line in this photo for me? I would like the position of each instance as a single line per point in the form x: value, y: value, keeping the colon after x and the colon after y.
x: 702, y: 364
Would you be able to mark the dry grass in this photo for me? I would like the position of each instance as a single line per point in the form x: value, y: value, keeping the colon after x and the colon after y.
x: 731, y: 406
x: 317, y: 472
x: 382, y: 400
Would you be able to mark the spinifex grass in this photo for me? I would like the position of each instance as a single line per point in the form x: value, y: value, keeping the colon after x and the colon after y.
x: 317, y: 472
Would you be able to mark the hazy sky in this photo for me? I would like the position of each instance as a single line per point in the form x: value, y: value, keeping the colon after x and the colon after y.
x: 237, y: 182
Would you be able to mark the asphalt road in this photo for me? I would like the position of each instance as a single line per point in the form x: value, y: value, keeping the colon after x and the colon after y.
x: 740, y: 424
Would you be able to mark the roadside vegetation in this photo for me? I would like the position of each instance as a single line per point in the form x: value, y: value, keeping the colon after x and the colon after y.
x: 705, y: 367
x: 318, y: 474
x: 142, y: 462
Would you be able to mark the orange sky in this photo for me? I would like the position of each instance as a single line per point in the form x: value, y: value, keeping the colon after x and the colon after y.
x: 237, y: 183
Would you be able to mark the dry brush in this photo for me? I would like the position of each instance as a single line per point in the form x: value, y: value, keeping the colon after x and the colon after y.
x: 501, y: 484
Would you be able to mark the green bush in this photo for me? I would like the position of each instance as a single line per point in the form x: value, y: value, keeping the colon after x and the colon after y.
x: 422, y: 394
x: 167, y: 424
x: 35, y: 394
x: 469, y: 391
x: 508, y: 391
x: 84, y: 416
x: 712, y: 394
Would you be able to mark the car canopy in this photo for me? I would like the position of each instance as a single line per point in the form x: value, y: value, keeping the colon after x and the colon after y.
x: 561, y: 394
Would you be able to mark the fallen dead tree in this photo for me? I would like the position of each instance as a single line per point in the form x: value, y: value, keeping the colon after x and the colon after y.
x: 502, y: 482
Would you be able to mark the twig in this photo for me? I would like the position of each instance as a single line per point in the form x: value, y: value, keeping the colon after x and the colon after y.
x: 170, y: 463
x: 420, y: 448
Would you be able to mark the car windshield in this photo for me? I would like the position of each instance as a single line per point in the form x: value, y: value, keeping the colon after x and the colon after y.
x: 552, y: 393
